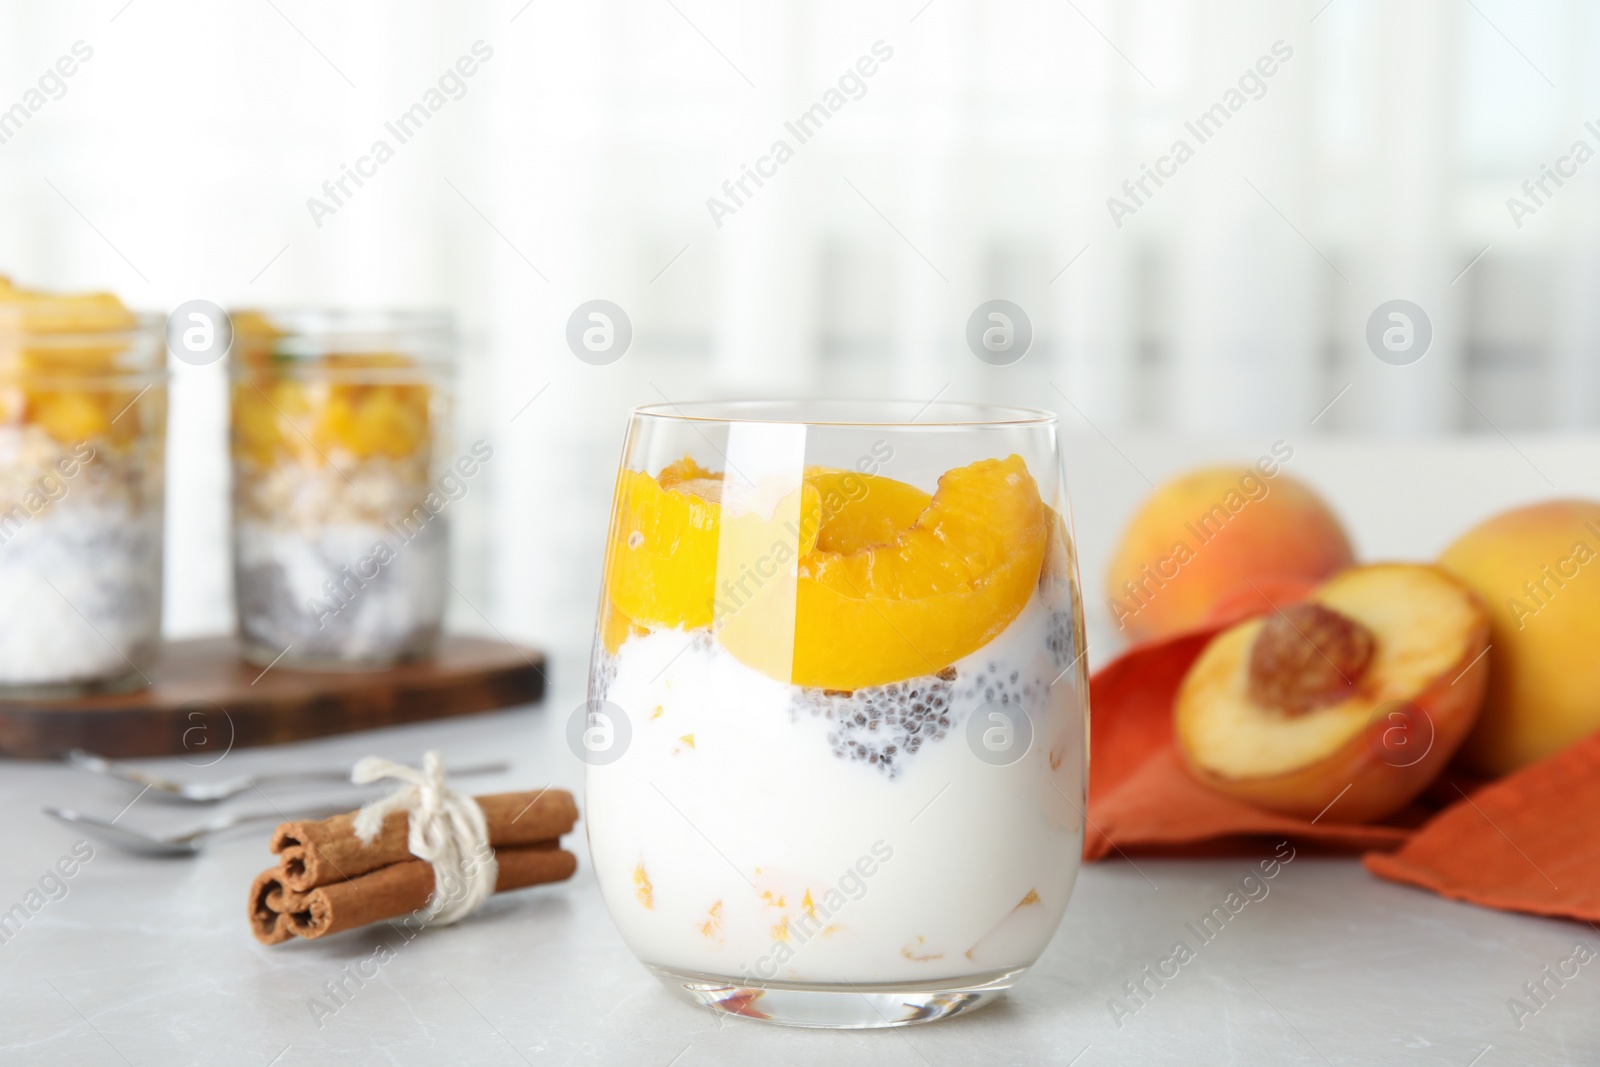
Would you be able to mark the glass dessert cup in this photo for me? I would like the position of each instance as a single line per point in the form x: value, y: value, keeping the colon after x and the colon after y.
x: 83, y: 402
x: 836, y: 728
x: 341, y: 485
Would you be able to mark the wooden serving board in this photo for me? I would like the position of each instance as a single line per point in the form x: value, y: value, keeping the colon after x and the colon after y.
x: 204, y: 699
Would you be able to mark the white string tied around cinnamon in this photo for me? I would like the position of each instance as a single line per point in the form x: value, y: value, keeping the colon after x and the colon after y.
x: 446, y: 829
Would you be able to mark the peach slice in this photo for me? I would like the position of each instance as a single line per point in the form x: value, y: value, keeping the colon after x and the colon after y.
x: 863, y: 510
x: 615, y: 627
x: 1344, y: 706
x: 308, y: 421
x: 71, y: 416
x: 854, y: 580
x: 688, y: 546
x: 281, y: 413
x: 941, y: 588
x: 65, y: 382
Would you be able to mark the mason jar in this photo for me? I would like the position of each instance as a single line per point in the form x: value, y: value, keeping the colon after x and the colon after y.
x: 342, y: 484
x: 83, y: 401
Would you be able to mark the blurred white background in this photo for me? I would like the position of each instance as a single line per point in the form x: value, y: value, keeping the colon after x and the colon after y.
x: 976, y: 162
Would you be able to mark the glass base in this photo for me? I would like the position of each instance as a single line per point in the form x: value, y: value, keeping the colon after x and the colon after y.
x: 45, y: 692
x: 838, y: 1006
x: 259, y: 655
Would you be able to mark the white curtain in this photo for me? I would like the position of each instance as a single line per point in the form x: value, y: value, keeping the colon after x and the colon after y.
x: 976, y: 162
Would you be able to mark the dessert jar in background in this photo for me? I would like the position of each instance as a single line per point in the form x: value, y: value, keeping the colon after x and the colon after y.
x: 836, y: 734
x: 340, y: 485
x: 83, y: 401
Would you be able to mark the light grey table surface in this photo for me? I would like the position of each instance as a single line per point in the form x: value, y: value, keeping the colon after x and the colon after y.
x: 147, y: 962
x: 150, y: 962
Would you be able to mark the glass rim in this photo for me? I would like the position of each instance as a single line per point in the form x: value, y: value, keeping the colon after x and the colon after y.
x: 145, y: 325
x: 306, y: 334
x: 325, y: 317
x: 923, y: 414
x: 117, y: 378
x: 138, y: 353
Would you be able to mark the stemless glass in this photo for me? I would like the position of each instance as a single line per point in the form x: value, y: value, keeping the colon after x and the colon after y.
x: 836, y: 728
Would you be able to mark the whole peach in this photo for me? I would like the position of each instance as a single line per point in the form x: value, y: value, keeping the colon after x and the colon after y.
x: 1538, y: 570
x: 1234, y: 535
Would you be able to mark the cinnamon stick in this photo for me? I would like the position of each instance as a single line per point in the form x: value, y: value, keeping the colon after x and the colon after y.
x: 387, y: 893
x: 267, y: 920
x: 313, y: 854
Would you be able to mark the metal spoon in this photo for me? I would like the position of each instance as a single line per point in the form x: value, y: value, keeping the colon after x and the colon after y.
x: 185, y: 843
x: 211, y: 792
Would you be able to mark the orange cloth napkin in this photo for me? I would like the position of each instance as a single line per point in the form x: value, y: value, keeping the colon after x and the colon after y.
x: 1142, y: 799
x: 1529, y: 842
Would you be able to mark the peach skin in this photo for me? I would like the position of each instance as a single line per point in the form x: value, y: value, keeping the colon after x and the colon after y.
x: 1243, y: 537
x: 1536, y: 569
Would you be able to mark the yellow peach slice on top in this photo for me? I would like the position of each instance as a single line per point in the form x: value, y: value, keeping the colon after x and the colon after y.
x: 941, y: 589
x: 61, y: 350
x: 1344, y: 706
x: 71, y: 416
x: 672, y: 546
x: 862, y: 581
x: 861, y: 510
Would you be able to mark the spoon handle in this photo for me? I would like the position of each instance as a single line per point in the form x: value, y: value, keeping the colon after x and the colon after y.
x: 497, y: 767
x: 231, y: 819
x: 187, y: 842
x: 88, y: 761
x: 128, y: 840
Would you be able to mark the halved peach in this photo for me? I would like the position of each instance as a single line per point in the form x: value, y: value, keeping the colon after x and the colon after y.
x: 1344, y: 706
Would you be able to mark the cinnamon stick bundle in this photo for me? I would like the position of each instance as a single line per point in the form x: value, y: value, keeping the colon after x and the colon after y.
x: 278, y: 913
x: 327, y: 881
x: 318, y: 853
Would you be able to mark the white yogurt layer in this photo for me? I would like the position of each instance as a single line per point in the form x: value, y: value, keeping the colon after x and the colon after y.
x: 80, y: 559
x: 85, y: 582
x: 742, y: 834
x: 345, y: 590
